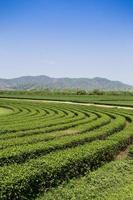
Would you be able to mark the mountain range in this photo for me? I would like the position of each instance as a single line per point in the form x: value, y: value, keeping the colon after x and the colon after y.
x: 42, y: 82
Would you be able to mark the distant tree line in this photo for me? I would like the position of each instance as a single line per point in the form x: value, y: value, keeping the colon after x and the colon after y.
x: 48, y: 91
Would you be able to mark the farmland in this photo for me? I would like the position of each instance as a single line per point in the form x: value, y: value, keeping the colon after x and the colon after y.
x: 108, y: 98
x: 65, y: 151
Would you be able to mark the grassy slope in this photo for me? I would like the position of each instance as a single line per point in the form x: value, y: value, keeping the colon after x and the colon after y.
x: 4, y: 111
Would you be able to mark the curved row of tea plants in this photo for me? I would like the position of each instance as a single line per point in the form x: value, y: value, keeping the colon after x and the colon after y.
x: 113, y: 181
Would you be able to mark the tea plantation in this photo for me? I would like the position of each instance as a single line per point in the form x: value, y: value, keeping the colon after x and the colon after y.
x: 57, y: 151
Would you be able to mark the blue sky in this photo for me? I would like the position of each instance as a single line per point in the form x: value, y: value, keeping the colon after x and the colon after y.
x: 67, y: 38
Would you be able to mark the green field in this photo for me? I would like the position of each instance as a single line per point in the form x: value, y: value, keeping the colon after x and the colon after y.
x: 119, y: 98
x: 65, y: 151
x: 4, y: 111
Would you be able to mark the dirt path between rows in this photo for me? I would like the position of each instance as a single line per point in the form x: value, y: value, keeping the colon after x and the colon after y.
x: 89, y: 104
x: 123, y: 154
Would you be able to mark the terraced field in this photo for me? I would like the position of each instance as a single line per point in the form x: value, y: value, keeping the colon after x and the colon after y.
x: 61, y: 151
